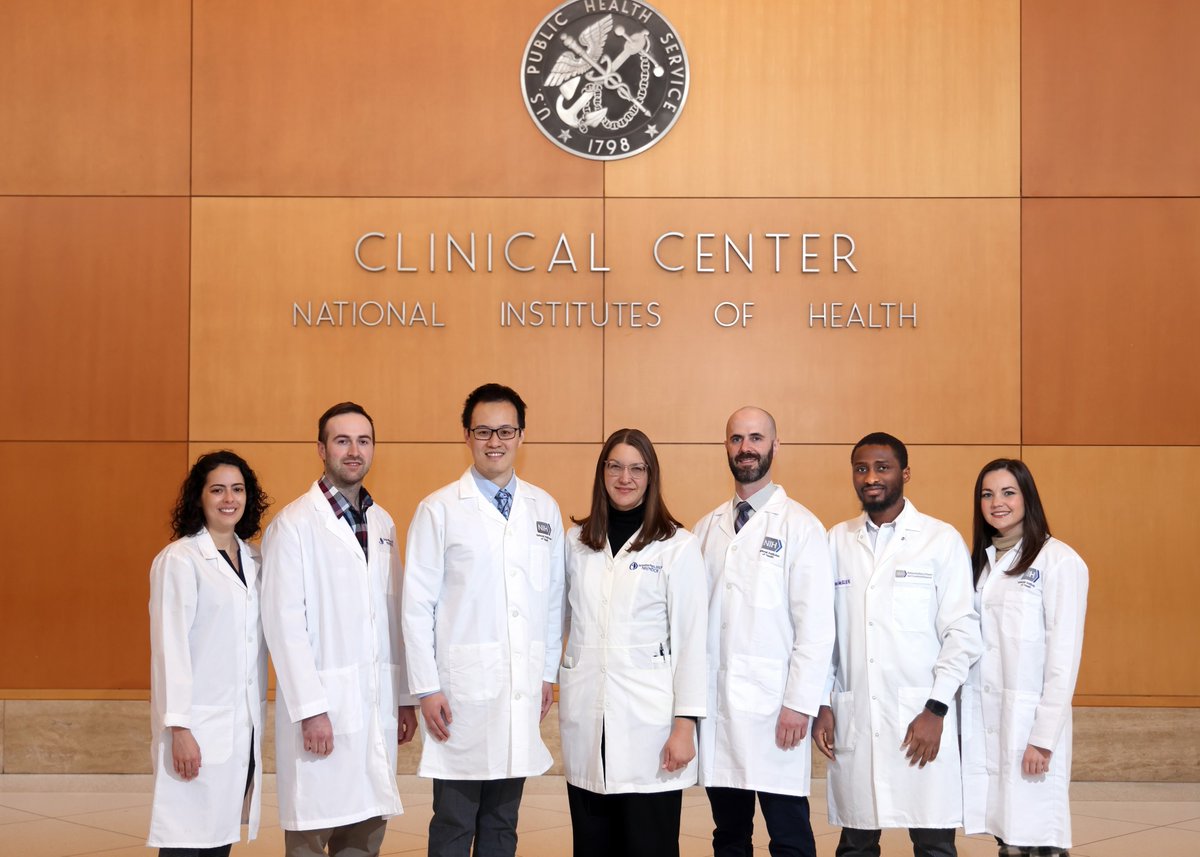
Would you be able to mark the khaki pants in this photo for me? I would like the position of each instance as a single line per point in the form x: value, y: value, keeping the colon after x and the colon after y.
x: 360, y: 839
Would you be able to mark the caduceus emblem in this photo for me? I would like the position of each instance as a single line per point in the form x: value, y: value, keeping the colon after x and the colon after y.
x: 584, y: 60
x: 604, y: 79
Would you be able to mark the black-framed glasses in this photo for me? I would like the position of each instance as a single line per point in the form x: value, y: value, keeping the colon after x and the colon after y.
x: 502, y: 432
x: 636, y: 471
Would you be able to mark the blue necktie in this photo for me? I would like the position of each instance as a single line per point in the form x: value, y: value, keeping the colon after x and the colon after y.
x: 743, y: 515
x: 503, y: 502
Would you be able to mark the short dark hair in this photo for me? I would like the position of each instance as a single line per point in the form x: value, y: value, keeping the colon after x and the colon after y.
x: 336, y: 411
x: 188, y: 517
x: 1034, y: 530
x: 657, y: 526
x: 882, y: 438
x: 493, y: 392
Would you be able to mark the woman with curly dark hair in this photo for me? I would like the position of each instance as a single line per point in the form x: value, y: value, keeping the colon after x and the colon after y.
x: 208, y: 677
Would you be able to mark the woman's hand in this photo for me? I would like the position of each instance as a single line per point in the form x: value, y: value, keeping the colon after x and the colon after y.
x: 680, y: 748
x: 185, y: 753
x: 1035, y: 762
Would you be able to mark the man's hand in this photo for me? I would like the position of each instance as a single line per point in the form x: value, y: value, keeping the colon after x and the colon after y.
x: 823, y: 732
x: 185, y: 753
x: 547, y: 698
x: 435, y: 708
x: 790, y: 728
x: 318, y: 734
x: 408, y: 724
x: 1035, y: 762
x: 923, y: 739
x: 680, y: 748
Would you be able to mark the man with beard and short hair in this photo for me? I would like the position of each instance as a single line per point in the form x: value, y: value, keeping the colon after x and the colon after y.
x: 907, y: 632
x: 331, y: 576
x: 770, y: 638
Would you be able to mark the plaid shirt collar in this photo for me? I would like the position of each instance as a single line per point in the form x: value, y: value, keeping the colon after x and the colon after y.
x: 356, y: 520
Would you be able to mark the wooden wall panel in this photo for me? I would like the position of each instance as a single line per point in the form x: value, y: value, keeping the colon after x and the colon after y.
x: 94, y: 96
x: 1108, y: 98
x: 75, y: 606
x: 1121, y: 509
x: 393, y: 99
x: 1109, y: 315
x: 820, y: 98
x: 93, y: 314
x: 956, y: 259
x: 252, y: 259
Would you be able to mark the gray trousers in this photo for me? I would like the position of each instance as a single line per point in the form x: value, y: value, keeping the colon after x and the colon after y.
x: 360, y: 839
x: 927, y: 842
x: 483, y: 811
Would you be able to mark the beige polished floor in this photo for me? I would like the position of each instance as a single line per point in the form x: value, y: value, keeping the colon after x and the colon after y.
x: 56, y: 816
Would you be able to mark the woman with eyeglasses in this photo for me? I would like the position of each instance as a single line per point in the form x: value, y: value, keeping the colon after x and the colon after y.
x: 1031, y: 594
x: 632, y: 681
x: 208, y: 664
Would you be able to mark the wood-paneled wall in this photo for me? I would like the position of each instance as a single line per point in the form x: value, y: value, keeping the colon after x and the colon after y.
x: 175, y: 174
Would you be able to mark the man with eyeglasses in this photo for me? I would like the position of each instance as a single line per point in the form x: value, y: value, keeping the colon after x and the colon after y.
x: 770, y: 640
x: 482, y: 608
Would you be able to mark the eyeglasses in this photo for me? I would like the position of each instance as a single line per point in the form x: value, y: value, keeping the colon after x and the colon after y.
x: 486, y: 432
x: 636, y: 471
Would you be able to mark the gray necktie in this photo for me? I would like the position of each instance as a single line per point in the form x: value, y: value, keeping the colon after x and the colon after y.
x: 743, y: 515
x: 503, y: 502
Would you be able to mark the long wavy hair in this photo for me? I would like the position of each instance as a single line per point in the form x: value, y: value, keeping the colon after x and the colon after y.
x: 1034, y: 530
x: 659, y: 524
x: 188, y: 516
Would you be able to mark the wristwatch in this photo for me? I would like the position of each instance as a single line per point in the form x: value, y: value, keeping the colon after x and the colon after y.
x: 936, y: 708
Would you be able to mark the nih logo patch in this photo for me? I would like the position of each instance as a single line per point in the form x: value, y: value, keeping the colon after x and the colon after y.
x: 1030, y: 578
x: 771, y: 547
x: 543, y: 531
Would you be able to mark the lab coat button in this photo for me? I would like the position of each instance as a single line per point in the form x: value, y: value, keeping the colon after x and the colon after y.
x: 729, y: 586
x: 515, y: 613
x: 518, y: 696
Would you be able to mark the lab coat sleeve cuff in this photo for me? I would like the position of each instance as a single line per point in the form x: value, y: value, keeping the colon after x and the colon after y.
x: 312, y: 709
x: 944, y: 689
x: 691, y: 711
x: 183, y: 721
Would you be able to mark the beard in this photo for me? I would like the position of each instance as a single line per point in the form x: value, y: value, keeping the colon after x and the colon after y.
x: 760, y: 469
x: 886, y: 499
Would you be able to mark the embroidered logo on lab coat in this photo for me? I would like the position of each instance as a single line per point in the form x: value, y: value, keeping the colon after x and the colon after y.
x: 646, y: 566
x: 913, y: 575
x: 1030, y: 578
x: 771, y: 547
x: 386, y: 541
x: 543, y: 531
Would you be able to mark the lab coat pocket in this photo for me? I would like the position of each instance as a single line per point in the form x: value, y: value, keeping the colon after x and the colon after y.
x: 539, y: 566
x: 345, y: 699
x: 912, y: 593
x: 766, y: 590
x: 844, y: 732
x: 755, y: 684
x: 473, y: 670
x: 1022, y: 617
x: 212, y: 727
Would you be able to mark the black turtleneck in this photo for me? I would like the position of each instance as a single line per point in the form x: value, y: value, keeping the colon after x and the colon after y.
x: 622, y: 525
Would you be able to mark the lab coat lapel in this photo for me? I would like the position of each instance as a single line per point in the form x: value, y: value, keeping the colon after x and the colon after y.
x: 340, y: 529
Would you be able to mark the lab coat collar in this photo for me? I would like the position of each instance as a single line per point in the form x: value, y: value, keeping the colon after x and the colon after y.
x: 774, y: 506
x: 468, y: 490
x: 993, y: 569
x: 249, y: 557
x: 908, y: 521
x: 340, y: 529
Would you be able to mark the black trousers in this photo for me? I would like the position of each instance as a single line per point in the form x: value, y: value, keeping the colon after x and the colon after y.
x: 786, y: 816
x: 630, y: 825
x: 926, y: 841
x: 479, y: 811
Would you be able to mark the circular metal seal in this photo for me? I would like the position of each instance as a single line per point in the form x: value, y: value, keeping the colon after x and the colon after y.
x: 604, y: 79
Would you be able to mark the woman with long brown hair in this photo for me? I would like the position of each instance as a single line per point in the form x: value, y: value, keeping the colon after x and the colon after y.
x: 1031, y: 594
x: 633, y: 677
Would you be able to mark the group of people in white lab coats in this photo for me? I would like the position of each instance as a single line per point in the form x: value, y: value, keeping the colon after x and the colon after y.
x: 712, y: 656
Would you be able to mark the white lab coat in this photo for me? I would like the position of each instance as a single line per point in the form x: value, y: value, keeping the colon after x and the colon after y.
x: 634, y: 661
x: 1019, y: 693
x: 208, y: 672
x: 329, y: 618
x: 483, y: 624
x: 770, y: 637
x: 907, y: 631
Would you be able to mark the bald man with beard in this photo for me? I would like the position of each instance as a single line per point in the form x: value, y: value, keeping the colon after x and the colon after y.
x: 770, y: 640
